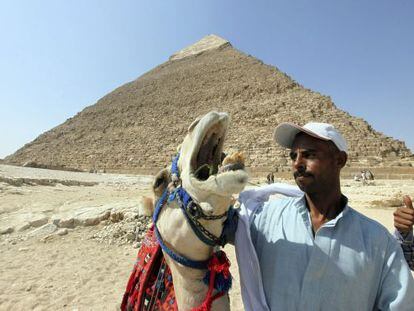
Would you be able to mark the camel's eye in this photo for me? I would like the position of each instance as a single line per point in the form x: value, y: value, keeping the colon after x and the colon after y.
x: 158, y: 182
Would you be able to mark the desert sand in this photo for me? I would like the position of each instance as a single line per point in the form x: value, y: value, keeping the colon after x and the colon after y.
x: 69, y: 240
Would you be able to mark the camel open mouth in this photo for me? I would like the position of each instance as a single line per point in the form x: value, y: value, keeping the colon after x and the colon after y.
x: 209, y: 159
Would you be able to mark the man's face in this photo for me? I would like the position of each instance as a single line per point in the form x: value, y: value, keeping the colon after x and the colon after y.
x: 316, y: 164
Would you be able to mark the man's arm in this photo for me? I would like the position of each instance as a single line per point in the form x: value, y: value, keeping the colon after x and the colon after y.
x: 403, y: 222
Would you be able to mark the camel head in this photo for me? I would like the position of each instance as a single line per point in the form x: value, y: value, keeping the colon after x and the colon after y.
x: 201, y: 155
x: 204, y: 174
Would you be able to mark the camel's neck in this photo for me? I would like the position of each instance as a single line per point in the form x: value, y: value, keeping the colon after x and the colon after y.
x: 190, y: 290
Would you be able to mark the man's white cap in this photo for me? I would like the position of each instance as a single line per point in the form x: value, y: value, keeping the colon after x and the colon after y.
x: 285, y: 134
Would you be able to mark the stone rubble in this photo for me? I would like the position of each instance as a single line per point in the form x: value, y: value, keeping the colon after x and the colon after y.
x: 126, y: 231
x: 111, y: 219
x: 119, y: 226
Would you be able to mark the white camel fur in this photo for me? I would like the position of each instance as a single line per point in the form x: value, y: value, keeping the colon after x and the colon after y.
x: 200, y: 158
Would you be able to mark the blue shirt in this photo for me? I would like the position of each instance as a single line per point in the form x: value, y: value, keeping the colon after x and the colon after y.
x: 352, y: 262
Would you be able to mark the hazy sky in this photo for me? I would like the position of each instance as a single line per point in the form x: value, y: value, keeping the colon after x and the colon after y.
x: 57, y: 57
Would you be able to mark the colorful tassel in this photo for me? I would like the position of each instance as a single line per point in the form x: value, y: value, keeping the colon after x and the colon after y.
x: 220, y: 265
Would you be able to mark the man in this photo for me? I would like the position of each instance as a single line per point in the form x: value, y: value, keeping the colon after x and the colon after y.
x: 314, y: 252
x: 270, y: 178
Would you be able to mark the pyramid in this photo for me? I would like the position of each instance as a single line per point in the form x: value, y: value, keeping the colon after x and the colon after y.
x: 140, y: 124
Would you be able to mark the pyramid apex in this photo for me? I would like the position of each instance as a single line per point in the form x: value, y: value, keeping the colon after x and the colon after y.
x: 208, y: 42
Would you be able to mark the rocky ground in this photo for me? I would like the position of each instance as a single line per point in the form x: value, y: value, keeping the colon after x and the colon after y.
x: 68, y: 240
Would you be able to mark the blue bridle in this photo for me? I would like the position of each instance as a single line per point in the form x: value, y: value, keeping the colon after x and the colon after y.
x: 185, y: 202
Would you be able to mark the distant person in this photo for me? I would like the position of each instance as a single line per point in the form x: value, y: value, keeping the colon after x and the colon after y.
x: 270, y: 178
x: 369, y: 175
x: 313, y: 251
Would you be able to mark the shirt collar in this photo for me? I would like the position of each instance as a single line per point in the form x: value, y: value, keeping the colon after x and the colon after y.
x: 303, y: 210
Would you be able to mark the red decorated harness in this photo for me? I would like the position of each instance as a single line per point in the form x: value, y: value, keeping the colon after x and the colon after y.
x: 150, y: 285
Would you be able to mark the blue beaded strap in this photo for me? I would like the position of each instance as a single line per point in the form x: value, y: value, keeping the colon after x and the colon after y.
x: 174, y: 165
x: 184, y: 199
x: 196, y: 264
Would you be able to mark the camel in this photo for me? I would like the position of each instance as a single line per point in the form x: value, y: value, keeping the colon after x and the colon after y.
x: 366, y: 177
x: 210, y: 182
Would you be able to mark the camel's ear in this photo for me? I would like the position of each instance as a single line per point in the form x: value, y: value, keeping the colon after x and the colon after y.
x: 195, y: 122
x: 146, y: 206
x: 161, y: 181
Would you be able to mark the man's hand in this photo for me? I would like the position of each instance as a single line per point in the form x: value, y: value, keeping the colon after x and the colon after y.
x: 404, y: 216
